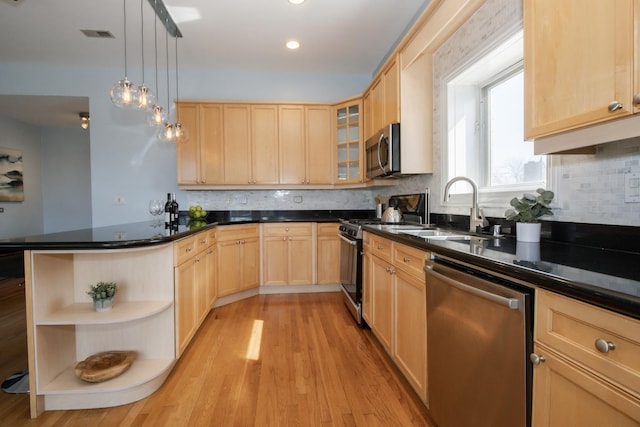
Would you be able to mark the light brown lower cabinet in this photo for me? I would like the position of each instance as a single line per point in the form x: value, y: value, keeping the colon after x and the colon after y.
x: 287, y: 253
x: 395, y: 305
x: 238, y: 249
x: 327, y: 254
x: 567, y: 395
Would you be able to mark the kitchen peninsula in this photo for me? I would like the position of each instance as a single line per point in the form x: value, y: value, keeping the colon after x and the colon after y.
x: 147, y: 316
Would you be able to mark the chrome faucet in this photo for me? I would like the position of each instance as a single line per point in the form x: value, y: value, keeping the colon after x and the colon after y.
x: 476, y: 220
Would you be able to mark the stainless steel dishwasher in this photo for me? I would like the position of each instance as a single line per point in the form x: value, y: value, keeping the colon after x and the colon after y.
x: 479, y: 336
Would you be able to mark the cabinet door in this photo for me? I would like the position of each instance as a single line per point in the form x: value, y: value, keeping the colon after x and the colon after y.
x: 348, y: 142
x: 211, y: 143
x: 565, y: 395
x: 382, y: 283
x: 249, y: 263
x: 391, y: 102
x: 410, y: 329
x: 319, y: 161
x: 229, y: 267
x: 188, y: 152
x: 186, y: 297
x: 292, y: 145
x: 264, y: 143
x: 212, y: 275
x: 300, y: 261
x: 578, y: 59
x: 237, y: 144
x: 202, y: 307
x: 275, y: 260
x: 377, y: 105
x: 367, y: 288
x: 328, y: 254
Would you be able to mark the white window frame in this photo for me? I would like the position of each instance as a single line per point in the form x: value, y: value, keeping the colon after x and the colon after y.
x: 492, y: 197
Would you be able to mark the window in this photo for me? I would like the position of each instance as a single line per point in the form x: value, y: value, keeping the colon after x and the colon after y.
x: 485, y: 129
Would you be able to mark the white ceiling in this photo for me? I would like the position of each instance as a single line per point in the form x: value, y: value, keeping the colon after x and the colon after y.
x: 336, y: 36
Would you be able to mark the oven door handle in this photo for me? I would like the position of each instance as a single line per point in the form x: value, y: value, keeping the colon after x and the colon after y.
x: 351, y: 242
x: 512, y: 303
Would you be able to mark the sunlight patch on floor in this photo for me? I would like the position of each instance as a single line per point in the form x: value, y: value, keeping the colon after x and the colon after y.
x: 253, y: 349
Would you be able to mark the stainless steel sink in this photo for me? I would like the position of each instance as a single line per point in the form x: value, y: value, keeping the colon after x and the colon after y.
x: 437, y: 235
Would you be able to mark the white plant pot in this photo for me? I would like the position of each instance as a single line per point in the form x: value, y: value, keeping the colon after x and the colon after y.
x: 528, y: 251
x: 526, y: 232
x: 103, y: 304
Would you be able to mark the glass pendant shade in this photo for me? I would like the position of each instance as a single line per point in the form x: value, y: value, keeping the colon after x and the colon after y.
x: 156, y: 116
x: 124, y: 94
x: 146, y: 98
x: 180, y: 132
x: 166, y: 133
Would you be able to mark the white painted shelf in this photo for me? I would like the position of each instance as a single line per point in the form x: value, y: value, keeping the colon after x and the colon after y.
x: 84, y: 313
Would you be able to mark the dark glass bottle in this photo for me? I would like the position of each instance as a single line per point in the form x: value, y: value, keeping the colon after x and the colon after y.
x: 168, y: 209
x: 175, y: 210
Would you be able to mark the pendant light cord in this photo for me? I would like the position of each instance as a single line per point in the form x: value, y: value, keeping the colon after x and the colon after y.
x: 177, y: 98
x: 124, y: 9
x: 155, y: 41
x: 142, y: 36
x: 166, y: 38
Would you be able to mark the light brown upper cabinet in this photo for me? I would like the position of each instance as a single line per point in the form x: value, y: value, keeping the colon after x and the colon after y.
x: 348, y: 139
x: 237, y: 144
x: 264, y: 144
x: 381, y: 101
x: 200, y: 156
x: 579, y: 61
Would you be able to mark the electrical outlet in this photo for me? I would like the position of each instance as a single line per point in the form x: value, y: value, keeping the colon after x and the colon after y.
x: 297, y: 199
x: 631, y: 188
x: 1, y: 210
x: 119, y: 200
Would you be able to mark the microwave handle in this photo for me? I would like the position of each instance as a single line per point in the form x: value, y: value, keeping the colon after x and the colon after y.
x: 382, y: 137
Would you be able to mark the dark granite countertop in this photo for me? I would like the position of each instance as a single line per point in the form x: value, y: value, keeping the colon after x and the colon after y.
x: 153, y: 232
x: 606, y: 278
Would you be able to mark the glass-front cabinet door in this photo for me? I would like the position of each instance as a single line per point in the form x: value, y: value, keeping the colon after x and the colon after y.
x: 349, y: 141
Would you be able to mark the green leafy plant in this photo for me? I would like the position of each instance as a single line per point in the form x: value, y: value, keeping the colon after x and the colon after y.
x: 530, y: 207
x: 102, y: 290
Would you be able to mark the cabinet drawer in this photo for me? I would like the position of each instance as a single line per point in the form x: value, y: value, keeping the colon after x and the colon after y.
x: 574, y: 328
x: 411, y: 260
x: 381, y: 247
x: 184, y: 249
x: 287, y: 229
x: 328, y: 229
x: 235, y: 232
x: 202, y: 240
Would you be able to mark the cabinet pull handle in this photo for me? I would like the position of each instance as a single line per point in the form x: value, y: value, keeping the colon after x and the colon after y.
x: 535, y: 359
x: 188, y: 249
x: 604, y: 346
x: 614, y: 105
x: 380, y: 247
x: 406, y: 259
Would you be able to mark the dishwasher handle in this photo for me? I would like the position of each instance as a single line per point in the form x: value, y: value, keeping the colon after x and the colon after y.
x: 512, y: 303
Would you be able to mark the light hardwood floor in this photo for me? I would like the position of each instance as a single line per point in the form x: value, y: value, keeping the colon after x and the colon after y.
x: 270, y: 360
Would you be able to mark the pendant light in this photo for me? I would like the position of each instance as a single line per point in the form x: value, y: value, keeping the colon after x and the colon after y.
x: 156, y: 115
x: 180, y: 132
x: 166, y: 133
x: 146, y: 98
x: 124, y: 94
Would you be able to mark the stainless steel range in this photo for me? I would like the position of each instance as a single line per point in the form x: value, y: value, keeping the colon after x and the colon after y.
x: 414, y: 208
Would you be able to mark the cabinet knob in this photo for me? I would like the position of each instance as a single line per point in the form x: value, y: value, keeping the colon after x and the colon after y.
x: 380, y: 247
x: 406, y: 259
x: 604, y: 346
x: 614, y: 105
x: 535, y: 359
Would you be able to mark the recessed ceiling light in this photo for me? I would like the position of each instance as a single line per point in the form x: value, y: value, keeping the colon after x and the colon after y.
x: 296, y: 1
x: 292, y: 44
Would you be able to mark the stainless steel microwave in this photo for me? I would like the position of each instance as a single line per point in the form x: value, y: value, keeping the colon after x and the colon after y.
x: 382, y: 152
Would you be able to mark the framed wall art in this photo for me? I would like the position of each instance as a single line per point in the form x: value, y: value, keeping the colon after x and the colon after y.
x: 11, y: 183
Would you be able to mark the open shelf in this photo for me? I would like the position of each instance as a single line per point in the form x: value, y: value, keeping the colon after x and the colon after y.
x: 140, y: 372
x: 84, y: 313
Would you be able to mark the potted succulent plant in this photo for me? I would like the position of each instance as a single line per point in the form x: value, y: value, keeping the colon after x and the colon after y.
x: 527, y: 211
x: 102, y: 294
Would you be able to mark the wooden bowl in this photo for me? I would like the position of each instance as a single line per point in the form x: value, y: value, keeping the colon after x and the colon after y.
x: 103, y: 366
